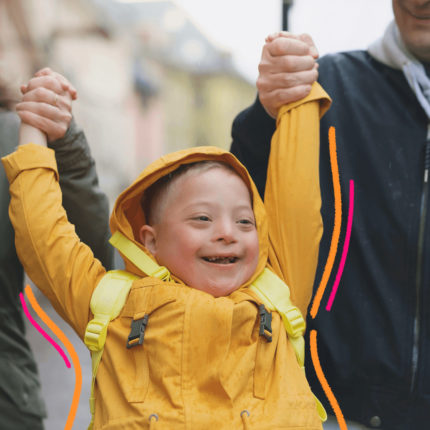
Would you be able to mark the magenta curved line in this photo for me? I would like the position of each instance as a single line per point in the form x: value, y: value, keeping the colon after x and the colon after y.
x: 42, y: 332
x: 345, y: 247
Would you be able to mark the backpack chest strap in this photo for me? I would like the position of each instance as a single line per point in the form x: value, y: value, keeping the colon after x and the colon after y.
x: 275, y: 295
x: 107, y: 301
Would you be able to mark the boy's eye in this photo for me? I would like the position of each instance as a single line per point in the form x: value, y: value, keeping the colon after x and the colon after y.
x: 202, y: 218
x: 246, y: 222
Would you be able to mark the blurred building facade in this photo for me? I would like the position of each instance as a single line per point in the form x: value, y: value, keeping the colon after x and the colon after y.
x: 149, y: 80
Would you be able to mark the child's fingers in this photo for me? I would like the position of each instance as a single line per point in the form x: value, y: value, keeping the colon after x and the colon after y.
x: 44, y: 71
x: 65, y: 84
x: 53, y: 81
x: 47, y: 81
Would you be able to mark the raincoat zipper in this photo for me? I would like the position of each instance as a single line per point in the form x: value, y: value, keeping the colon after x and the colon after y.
x: 420, y: 248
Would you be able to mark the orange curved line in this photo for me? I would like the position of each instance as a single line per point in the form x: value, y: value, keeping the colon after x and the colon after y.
x: 69, y: 347
x: 337, y: 224
x: 323, y: 381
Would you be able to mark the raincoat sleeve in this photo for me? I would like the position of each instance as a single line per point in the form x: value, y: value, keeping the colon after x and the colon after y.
x: 292, y: 194
x: 64, y: 268
x: 86, y: 205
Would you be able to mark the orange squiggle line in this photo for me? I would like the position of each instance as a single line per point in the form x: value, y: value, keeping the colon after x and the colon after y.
x: 72, y: 353
x: 337, y: 224
x: 323, y: 381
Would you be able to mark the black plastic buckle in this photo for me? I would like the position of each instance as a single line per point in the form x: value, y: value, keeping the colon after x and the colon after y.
x: 137, y: 332
x: 265, y: 323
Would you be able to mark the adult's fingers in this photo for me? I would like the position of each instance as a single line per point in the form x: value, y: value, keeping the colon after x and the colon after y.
x: 45, y: 110
x: 273, y: 100
x: 277, y: 34
x: 52, y: 120
x: 274, y: 90
x: 57, y: 129
x: 267, y: 84
x: 306, y: 38
x: 309, y: 41
x: 286, y: 46
x: 286, y: 64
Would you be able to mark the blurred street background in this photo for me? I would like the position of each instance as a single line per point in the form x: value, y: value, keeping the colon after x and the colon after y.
x: 154, y: 77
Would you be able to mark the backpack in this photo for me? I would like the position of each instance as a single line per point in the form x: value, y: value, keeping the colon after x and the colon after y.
x: 111, y: 293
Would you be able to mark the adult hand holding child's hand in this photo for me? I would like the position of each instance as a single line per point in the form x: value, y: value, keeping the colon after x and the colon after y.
x: 46, y: 106
x: 287, y: 70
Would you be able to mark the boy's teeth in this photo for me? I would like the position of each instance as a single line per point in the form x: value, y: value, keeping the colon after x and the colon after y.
x: 221, y: 260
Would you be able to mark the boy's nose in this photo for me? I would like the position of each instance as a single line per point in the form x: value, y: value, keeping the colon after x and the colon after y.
x: 225, y: 232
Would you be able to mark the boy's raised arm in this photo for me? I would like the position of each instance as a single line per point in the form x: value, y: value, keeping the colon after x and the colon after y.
x: 47, y: 105
x: 292, y: 194
x: 47, y: 245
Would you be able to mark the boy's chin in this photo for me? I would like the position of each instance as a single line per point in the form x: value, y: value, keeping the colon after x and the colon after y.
x: 217, y: 289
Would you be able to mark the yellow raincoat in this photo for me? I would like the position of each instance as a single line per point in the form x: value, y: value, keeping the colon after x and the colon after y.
x: 202, y: 363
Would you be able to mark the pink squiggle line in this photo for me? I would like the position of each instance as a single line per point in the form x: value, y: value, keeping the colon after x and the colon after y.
x: 345, y: 247
x: 42, y: 332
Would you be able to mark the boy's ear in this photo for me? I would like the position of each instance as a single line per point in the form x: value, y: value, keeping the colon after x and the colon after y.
x: 148, y: 238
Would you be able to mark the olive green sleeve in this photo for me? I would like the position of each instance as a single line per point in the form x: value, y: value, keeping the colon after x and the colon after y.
x: 86, y: 205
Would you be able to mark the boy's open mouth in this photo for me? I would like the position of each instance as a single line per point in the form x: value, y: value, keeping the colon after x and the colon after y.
x: 221, y: 260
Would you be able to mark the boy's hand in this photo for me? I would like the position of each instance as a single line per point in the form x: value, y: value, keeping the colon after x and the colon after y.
x: 47, y: 103
x: 287, y: 69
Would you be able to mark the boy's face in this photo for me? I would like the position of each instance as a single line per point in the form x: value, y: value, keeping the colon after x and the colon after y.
x: 206, y: 235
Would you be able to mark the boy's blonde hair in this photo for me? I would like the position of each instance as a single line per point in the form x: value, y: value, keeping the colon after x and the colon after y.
x: 154, y: 197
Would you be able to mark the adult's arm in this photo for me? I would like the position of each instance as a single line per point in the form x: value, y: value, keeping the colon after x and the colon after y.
x: 86, y: 205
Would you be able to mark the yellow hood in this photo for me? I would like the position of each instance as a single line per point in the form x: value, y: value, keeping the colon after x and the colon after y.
x: 203, y: 363
x: 128, y: 216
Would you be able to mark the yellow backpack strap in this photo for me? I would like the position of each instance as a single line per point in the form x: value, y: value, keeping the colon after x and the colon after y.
x: 106, y: 303
x: 138, y: 257
x: 275, y: 295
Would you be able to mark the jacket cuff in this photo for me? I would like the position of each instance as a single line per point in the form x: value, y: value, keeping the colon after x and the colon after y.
x: 317, y: 93
x: 72, y: 149
x: 28, y: 157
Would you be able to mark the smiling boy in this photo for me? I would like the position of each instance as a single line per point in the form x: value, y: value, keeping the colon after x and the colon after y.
x: 201, y: 360
x: 216, y: 243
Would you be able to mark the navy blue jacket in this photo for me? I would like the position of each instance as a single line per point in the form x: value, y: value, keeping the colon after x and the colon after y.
x: 380, y: 318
